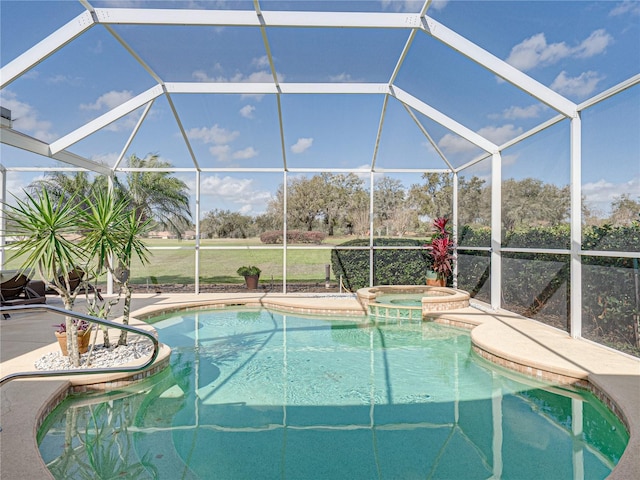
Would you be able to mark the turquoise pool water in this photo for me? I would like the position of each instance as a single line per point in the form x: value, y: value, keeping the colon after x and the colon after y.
x: 402, y: 299
x: 264, y: 395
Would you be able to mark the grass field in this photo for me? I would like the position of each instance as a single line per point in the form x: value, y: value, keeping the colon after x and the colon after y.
x: 173, y: 261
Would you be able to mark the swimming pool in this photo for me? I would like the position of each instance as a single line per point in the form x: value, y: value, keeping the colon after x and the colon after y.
x: 261, y: 394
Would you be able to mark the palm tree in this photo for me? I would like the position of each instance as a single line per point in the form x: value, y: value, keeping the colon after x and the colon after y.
x: 64, y: 186
x: 156, y: 194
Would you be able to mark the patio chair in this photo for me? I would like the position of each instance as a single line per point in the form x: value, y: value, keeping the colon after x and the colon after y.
x: 75, y: 279
x: 16, y: 288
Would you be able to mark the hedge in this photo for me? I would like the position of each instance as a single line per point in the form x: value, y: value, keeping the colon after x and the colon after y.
x: 539, y: 285
x: 390, y: 267
x: 535, y: 285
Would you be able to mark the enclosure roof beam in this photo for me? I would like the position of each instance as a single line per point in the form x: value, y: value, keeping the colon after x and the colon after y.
x: 167, y: 16
x: 134, y: 132
x: 499, y: 67
x: 443, y: 120
x: 106, y: 119
x: 183, y: 132
x: 45, y: 48
x: 376, y: 145
x: 16, y: 139
x: 249, y: 18
x: 624, y: 85
x: 429, y: 138
x: 250, y: 88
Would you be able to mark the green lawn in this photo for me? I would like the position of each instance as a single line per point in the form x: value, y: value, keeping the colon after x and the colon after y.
x: 173, y: 261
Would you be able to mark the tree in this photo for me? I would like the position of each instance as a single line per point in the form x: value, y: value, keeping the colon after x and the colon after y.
x: 474, y: 202
x: 227, y: 224
x: 304, y: 204
x: 434, y: 197
x: 531, y: 202
x: 157, y: 194
x: 65, y: 186
x: 624, y: 210
x: 388, y: 202
x: 326, y: 199
x: 402, y: 220
x: 336, y: 193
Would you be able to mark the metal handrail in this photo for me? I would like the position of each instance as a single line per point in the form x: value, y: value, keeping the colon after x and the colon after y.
x: 80, y: 371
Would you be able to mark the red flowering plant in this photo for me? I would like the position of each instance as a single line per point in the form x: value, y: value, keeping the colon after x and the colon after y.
x: 441, y: 248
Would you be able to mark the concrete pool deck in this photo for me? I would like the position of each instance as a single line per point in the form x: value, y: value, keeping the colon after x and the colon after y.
x: 502, y: 337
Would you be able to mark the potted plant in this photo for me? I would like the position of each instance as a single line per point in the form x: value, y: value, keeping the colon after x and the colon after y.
x: 441, y: 251
x: 251, y: 276
x: 84, y: 334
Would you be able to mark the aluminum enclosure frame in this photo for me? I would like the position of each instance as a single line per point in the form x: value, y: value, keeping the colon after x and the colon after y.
x: 414, y: 24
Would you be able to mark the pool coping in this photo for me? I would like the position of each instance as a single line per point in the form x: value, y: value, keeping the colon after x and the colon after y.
x: 502, y: 337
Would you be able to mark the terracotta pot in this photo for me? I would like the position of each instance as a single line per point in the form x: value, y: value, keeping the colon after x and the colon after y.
x: 83, y: 341
x: 251, y: 281
x: 434, y: 280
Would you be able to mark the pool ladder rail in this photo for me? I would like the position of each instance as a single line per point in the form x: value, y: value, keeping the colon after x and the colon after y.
x: 81, y: 371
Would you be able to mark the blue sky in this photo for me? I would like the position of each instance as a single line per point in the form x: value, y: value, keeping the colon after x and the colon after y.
x: 577, y: 49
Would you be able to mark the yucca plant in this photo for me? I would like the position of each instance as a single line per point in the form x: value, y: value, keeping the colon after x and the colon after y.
x: 45, y: 229
x: 102, y: 233
x: 112, y: 237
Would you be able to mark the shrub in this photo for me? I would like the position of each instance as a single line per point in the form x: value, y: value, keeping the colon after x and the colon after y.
x: 274, y: 237
x: 539, y: 285
x: 391, y: 266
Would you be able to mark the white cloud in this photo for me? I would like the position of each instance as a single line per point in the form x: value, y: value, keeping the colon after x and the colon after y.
x: 261, y: 76
x: 201, y: 76
x: 499, y: 135
x: 235, y: 191
x: 215, y: 134
x: 221, y: 152
x: 221, y: 138
x: 628, y: 7
x: 247, y: 111
x: 602, y: 193
x: 342, y: 77
x: 301, y: 145
x: 411, y: 5
x: 535, y: 51
x: 262, y: 62
x: 245, y: 154
x: 439, y: 4
x: 580, y: 86
x: 108, y: 100
x: 64, y: 79
x: 26, y: 118
x: 16, y: 185
x: 594, y: 44
x: 515, y: 112
x: 106, y: 158
x: 451, y: 143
